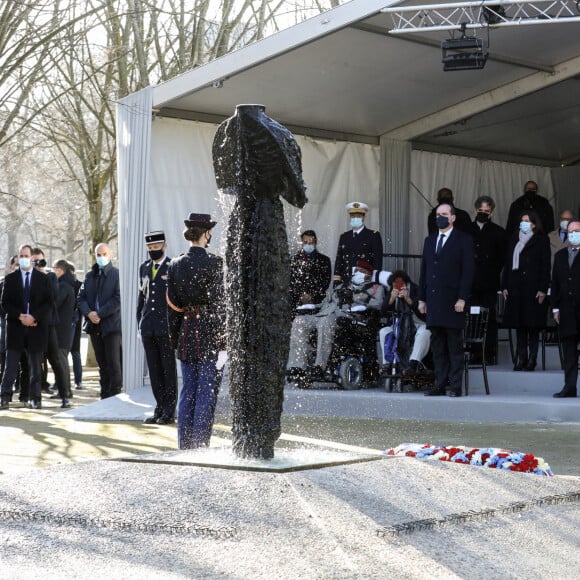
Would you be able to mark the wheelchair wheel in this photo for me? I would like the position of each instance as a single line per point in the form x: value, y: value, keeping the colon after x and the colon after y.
x: 350, y: 374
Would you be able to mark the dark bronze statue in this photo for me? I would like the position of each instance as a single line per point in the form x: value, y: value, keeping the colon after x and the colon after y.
x: 257, y: 160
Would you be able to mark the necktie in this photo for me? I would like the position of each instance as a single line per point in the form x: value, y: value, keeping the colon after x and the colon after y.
x: 27, y: 292
x: 440, y: 243
x: 154, y: 271
x: 99, y: 278
x: 572, y: 256
x: 564, y: 236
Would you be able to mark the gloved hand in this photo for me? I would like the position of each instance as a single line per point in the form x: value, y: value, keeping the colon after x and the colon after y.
x: 222, y: 359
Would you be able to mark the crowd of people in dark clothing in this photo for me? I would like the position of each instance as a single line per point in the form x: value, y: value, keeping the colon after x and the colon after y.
x: 519, y: 272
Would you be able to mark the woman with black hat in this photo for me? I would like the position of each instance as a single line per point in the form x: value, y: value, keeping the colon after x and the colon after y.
x: 195, y: 295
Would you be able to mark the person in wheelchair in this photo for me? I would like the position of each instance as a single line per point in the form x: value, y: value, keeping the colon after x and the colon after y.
x: 360, y: 299
x: 406, y: 341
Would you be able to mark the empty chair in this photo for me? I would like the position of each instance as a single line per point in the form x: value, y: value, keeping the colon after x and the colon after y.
x: 474, y: 343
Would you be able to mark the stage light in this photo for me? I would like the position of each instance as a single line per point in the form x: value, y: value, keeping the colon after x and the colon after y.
x: 465, y: 53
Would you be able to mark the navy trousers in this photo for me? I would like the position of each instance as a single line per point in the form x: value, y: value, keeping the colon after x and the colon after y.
x: 447, y: 349
x: 196, y: 407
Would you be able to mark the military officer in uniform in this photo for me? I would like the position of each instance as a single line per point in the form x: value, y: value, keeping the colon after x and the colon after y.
x: 195, y: 295
x: 152, y: 322
x: 358, y: 243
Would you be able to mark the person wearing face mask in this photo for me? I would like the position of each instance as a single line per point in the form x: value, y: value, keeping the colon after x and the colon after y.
x: 358, y: 243
x: 462, y: 219
x: 489, y: 241
x: 447, y: 268
x: 559, y: 237
x: 197, y: 330
x: 525, y: 282
x: 310, y: 273
x: 152, y: 323
x: 531, y: 200
x: 27, y: 302
x: 99, y: 301
x: 360, y: 295
x: 566, y: 307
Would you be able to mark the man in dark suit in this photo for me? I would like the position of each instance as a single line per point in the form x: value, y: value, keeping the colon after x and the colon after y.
x: 566, y: 306
x: 99, y: 301
x: 310, y: 273
x: 490, y: 243
x: 152, y: 321
x: 530, y: 200
x: 462, y: 219
x: 444, y: 288
x: 27, y: 301
x: 358, y: 243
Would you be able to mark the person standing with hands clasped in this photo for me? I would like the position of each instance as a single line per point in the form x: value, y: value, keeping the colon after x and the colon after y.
x: 446, y: 276
x: 152, y: 321
x: 196, y: 316
x: 525, y: 282
x: 566, y: 306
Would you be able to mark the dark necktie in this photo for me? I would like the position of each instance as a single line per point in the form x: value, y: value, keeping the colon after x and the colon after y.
x: 564, y: 236
x: 440, y: 243
x: 572, y: 256
x: 99, y: 278
x: 26, y: 292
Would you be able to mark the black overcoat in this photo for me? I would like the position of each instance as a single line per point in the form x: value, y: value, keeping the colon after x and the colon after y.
x: 195, y: 287
x: 446, y: 278
x: 309, y: 274
x: 367, y: 245
x: 108, y: 299
x: 566, y: 293
x: 151, y: 303
x: 41, y: 307
x: 65, y: 302
x: 522, y: 309
x: 489, y: 244
x: 537, y: 203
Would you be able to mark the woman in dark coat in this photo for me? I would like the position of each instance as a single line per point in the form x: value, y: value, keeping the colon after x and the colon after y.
x: 525, y: 282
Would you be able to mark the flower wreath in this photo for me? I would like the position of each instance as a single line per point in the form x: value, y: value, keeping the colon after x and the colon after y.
x: 493, y: 457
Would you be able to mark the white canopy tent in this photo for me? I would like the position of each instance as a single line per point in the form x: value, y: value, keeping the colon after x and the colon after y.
x: 377, y: 121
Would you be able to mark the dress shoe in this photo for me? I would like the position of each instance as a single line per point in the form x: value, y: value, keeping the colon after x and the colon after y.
x: 4, y: 406
x: 79, y: 387
x: 520, y: 364
x: 435, y: 392
x: 531, y: 366
x: 35, y: 405
x: 56, y: 396
x: 453, y: 393
x: 151, y: 420
x: 564, y: 394
x: 65, y: 404
x: 165, y: 421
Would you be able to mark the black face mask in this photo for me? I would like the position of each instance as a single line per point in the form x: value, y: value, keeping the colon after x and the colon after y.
x: 442, y: 221
x: 155, y: 254
x: 531, y: 192
x: 447, y: 200
x: 482, y: 217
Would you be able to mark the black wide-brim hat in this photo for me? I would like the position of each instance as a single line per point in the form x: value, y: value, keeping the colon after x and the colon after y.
x: 199, y: 219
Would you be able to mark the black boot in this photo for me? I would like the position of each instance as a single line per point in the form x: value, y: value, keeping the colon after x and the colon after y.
x: 521, y: 362
x: 531, y: 364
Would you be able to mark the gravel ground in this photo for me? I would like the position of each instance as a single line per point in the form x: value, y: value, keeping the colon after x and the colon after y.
x: 395, y: 517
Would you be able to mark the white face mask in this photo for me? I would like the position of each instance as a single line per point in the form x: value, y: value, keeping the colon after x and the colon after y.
x: 564, y: 225
x: 24, y: 263
x: 102, y: 261
x: 308, y: 248
x: 525, y: 227
x: 574, y: 238
x: 358, y: 278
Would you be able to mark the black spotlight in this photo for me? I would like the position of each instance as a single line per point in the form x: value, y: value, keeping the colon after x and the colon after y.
x: 465, y: 53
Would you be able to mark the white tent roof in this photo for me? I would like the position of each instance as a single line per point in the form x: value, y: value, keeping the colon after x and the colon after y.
x: 342, y: 75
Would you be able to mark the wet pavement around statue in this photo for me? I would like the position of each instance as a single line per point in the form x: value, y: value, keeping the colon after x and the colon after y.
x: 33, y: 439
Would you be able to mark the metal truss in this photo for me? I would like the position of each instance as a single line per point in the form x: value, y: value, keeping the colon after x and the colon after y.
x: 484, y: 14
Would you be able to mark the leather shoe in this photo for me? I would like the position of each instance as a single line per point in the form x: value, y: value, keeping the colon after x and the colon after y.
x: 65, y: 404
x: 150, y: 420
x: 34, y: 405
x: 531, y: 366
x: 4, y: 406
x: 453, y: 393
x: 57, y: 396
x: 165, y: 420
x: 564, y: 394
x: 435, y: 392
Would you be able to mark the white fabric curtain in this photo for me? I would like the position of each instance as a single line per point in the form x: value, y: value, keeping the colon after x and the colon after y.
x: 133, y: 142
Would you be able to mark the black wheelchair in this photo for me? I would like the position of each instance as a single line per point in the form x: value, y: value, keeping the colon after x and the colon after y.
x: 353, y: 360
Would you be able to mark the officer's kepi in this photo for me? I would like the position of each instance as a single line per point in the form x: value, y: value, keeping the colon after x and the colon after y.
x: 155, y: 238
